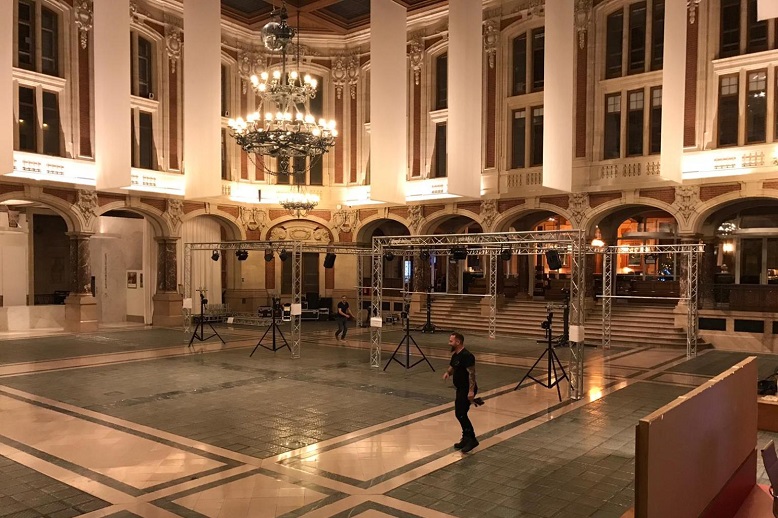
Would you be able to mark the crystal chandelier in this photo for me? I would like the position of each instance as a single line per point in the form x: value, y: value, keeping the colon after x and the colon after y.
x: 282, y: 127
x: 298, y: 202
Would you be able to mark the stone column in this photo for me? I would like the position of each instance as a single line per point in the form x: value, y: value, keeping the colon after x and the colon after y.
x: 80, y: 305
x: 708, y: 274
x: 167, y: 301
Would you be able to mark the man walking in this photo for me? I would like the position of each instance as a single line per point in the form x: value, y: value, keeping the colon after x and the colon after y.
x: 462, y: 369
x: 342, y: 316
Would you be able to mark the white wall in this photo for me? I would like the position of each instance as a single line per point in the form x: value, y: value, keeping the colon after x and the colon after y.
x: 205, y: 272
x: 14, y: 275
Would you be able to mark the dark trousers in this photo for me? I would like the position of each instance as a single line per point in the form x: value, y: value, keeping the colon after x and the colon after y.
x: 461, y: 407
x: 342, y: 328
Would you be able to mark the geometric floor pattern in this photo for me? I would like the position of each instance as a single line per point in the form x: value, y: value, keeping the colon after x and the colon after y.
x: 133, y: 423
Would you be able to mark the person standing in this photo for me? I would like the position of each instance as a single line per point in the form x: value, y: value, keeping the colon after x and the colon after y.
x: 462, y: 370
x: 343, y: 315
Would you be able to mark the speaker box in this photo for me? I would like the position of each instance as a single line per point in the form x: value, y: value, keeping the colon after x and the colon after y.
x: 553, y: 260
x: 329, y: 260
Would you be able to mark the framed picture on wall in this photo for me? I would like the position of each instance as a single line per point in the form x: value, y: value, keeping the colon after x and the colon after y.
x: 132, y: 280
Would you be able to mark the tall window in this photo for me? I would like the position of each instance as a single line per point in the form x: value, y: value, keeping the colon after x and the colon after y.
x: 643, y: 45
x: 225, y: 91
x: 439, y: 166
x: 37, y: 38
x: 538, y: 49
x: 635, y: 123
x: 756, y: 31
x: 51, y: 125
x: 36, y: 135
x: 536, y: 137
x: 740, y: 32
x: 441, y: 82
x: 528, y: 71
x: 756, y: 107
x: 729, y: 30
x: 728, y: 110
x: 28, y: 121
x: 316, y: 173
x: 655, y: 122
x: 519, y: 65
x: 142, y: 67
x: 612, y: 135
x: 518, y: 139
x: 225, y: 165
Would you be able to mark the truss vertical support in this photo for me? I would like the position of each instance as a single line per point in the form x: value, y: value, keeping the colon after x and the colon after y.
x: 376, y: 291
x: 360, y: 295
x: 607, y: 293
x: 297, y: 257
x: 407, y: 281
x: 492, y: 294
x: 692, y: 323
x: 577, y: 292
x: 187, y: 271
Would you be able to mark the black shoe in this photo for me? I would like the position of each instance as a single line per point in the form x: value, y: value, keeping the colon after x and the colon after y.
x: 459, y: 445
x: 470, y: 443
x: 337, y: 336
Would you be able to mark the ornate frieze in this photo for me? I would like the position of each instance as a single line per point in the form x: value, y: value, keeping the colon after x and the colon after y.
x: 687, y: 198
x: 251, y: 62
x: 491, y: 39
x: 173, y: 45
x: 415, y: 215
x: 174, y: 211
x: 300, y: 233
x: 253, y: 218
x: 84, y: 19
x: 692, y: 5
x: 86, y: 204
x: 344, y: 221
x: 578, y: 205
x: 583, y: 14
x: 488, y: 212
x: 416, y: 58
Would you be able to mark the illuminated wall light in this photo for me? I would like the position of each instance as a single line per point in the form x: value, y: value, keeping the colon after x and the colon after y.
x: 728, y: 247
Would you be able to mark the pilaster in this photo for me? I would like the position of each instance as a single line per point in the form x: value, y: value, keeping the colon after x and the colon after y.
x: 80, y: 305
x: 167, y: 301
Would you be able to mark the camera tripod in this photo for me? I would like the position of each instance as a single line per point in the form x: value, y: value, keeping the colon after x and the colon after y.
x: 553, y: 362
x: 407, y: 339
x: 199, y: 330
x: 273, y: 327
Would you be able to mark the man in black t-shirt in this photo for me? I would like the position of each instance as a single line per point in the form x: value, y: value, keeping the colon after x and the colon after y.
x: 342, y: 317
x: 462, y: 369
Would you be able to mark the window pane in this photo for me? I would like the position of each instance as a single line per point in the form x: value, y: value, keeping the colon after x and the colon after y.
x: 316, y: 174
x: 657, y: 34
x: 520, y: 65
x: 28, y: 123
x: 224, y: 92
x: 655, y: 122
x: 730, y: 28
x: 26, y: 35
x: 536, y: 143
x: 613, y: 45
x: 612, y: 136
x: 538, y: 42
x: 637, y: 37
x: 440, y: 170
x: 728, y: 111
x: 756, y: 107
x: 146, y: 134
x: 635, y: 123
x: 144, y: 68
x: 750, y: 261
x: 51, y: 125
x: 756, y: 31
x: 225, y: 173
x: 518, y: 136
x: 310, y: 273
x: 441, y: 82
x: 49, y: 43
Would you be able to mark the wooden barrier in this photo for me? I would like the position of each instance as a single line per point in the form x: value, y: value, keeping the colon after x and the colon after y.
x: 696, y: 457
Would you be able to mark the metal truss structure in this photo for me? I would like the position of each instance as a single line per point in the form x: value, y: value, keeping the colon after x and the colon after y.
x: 570, y: 242
x: 689, y: 280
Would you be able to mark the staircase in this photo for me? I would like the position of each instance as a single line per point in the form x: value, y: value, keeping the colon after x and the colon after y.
x: 631, y: 324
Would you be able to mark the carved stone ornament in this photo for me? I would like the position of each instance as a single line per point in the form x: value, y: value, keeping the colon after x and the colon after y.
x: 491, y: 40
x: 253, y: 218
x: 687, y: 198
x: 416, y: 58
x: 345, y: 220
x: 278, y: 234
x: 173, y: 45
x: 578, y: 205
x: 250, y: 62
x: 692, y: 5
x: 339, y: 74
x: 86, y: 204
x: 300, y: 233
x: 583, y: 14
x: 536, y: 8
x: 488, y: 212
x: 415, y: 215
x: 175, y: 212
x: 352, y: 74
x: 84, y: 18
x: 136, y: 15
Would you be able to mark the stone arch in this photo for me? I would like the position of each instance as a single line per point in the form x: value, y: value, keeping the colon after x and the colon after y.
x: 597, y: 215
x: 429, y: 226
x: 235, y: 230
x: 153, y: 215
x: 700, y: 219
x: 371, y: 224
x: 63, y: 208
x: 504, y: 221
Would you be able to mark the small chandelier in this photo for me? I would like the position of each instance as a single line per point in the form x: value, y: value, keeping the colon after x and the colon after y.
x: 282, y: 127
x: 298, y: 202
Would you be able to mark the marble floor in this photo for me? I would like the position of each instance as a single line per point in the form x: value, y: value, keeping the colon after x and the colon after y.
x: 130, y: 422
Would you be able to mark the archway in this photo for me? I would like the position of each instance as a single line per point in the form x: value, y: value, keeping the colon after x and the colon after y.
x: 450, y: 274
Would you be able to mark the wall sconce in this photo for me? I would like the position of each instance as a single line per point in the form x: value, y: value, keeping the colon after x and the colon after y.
x: 728, y: 247
x: 597, y: 242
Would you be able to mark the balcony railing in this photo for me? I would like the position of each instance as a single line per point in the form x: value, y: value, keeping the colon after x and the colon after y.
x: 741, y: 297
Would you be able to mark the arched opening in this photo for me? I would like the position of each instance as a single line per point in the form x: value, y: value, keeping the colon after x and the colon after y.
x: 396, y: 269
x: 452, y: 274
x: 212, y: 272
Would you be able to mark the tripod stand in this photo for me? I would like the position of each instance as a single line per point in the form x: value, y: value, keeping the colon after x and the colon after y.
x: 199, y: 330
x: 407, y: 339
x: 428, y: 326
x: 553, y: 362
x: 274, y: 328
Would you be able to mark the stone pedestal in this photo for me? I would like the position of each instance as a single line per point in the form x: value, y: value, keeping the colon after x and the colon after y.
x: 80, y: 313
x: 167, y: 310
x: 168, y: 303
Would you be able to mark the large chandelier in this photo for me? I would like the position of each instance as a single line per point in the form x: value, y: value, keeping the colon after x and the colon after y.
x: 298, y: 202
x: 283, y: 127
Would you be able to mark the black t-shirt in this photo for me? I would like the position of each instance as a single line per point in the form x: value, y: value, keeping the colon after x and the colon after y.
x: 460, y: 362
x: 342, y: 306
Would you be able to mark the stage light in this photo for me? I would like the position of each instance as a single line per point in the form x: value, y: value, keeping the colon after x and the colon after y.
x: 329, y: 260
x: 242, y: 255
x: 268, y: 254
x: 283, y: 255
x: 458, y: 253
x: 553, y: 260
x: 424, y: 255
x: 215, y: 255
x: 389, y: 255
x: 506, y: 254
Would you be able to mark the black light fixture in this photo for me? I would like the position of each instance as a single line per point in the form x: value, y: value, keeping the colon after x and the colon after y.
x: 389, y: 255
x: 268, y: 254
x: 283, y: 254
x: 329, y: 260
x: 458, y: 253
x: 242, y: 255
x: 506, y: 254
x: 215, y: 255
x: 424, y: 255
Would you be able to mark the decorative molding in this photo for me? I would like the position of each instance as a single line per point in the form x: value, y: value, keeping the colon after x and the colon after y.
x: 339, y: 74
x: 488, y: 212
x: 250, y: 62
x: 416, y: 58
x: 253, y: 218
x: 536, y: 8
x: 300, y: 233
x: 345, y: 220
x: 577, y: 206
x: 86, y: 204
x: 415, y: 216
x: 692, y: 5
x: 84, y: 19
x: 491, y: 39
x: 352, y: 74
x: 687, y: 198
x: 173, y: 45
x: 137, y: 16
x: 583, y: 15
x: 174, y: 211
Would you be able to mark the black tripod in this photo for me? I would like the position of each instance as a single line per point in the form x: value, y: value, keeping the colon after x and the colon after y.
x: 199, y: 330
x: 553, y: 362
x: 428, y: 326
x: 274, y: 328
x: 407, y: 339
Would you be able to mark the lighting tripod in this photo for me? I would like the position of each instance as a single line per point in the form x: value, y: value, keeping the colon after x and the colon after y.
x: 428, y: 326
x: 199, y: 330
x: 407, y: 339
x: 553, y: 362
x: 274, y: 328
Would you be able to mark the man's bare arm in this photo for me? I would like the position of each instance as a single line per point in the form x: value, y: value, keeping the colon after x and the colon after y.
x: 471, y: 378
